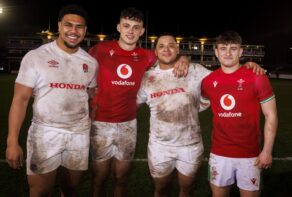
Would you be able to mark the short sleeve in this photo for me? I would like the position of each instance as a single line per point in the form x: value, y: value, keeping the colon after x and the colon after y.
x: 141, y: 96
x: 263, y: 88
x: 151, y: 58
x: 27, y: 74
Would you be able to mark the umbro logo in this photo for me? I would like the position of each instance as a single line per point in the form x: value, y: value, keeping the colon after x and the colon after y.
x: 53, y: 63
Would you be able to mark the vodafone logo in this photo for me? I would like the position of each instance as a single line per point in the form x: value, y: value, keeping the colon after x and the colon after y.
x: 124, y: 71
x: 227, y: 102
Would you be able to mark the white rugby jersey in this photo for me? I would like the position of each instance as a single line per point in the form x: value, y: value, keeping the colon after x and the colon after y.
x: 59, y: 81
x: 174, y: 104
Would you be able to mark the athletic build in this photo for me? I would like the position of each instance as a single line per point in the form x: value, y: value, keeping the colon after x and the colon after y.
x: 237, y: 96
x: 121, y: 67
x: 57, y: 75
x: 175, y: 135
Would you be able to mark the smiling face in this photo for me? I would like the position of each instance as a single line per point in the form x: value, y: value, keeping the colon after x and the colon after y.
x: 130, y: 32
x: 229, y: 56
x: 72, y: 29
x: 166, y: 51
x: 228, y: 50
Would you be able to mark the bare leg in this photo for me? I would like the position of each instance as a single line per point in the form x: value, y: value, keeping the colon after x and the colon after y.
x: 120, y: 172
x: 220, y: 191
x: 162, y: 186
x: 101, y: 171
x: 186, y: 184
x: 41, y: 184
x: 69, y: 180
x: 244, y: 193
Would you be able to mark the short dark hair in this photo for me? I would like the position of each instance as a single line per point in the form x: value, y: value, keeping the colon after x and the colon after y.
x: 73, y: 9
x: 165, y: 34
x: 228, y: 37
x: 132, y: 14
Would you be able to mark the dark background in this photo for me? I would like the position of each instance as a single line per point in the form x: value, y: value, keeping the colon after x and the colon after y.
x: 258, y: 22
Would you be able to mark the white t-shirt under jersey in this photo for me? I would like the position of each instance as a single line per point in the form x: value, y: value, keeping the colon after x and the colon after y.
x: 174, y: 104
x: 59, y: 81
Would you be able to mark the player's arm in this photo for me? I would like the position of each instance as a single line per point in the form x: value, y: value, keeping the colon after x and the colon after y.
x: 141, y: 95
x: 204, y: 103
x: 91, y: 92
x: 181, y: 66
x: 14, y: 153
x: 93, y: 102
x: 140, y: 101
x: 204, y: 98
x: 269, y: 110
x: 92, y: 96
x: 255, y: 67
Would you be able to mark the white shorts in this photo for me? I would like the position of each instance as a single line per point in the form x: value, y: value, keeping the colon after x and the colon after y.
x: 223, y: 171
x: 113, y: 140
x: 163, y: 159
x: 48, y: 148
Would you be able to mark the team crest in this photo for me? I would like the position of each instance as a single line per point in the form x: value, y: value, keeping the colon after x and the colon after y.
x: 215, y: 83
x: 85, y: 68
x: 240, y: 82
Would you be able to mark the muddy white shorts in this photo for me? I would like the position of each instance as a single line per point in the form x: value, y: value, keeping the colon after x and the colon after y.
x: 113, y: 140
x: 163, y: 159
x: 48, y: 148
x: 223, y: 171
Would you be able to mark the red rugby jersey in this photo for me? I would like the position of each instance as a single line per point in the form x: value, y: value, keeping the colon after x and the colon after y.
x: 119, y: 76
x: 235, y: 101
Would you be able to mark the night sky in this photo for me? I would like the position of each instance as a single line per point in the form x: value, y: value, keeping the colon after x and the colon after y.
x: 268, y: 24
